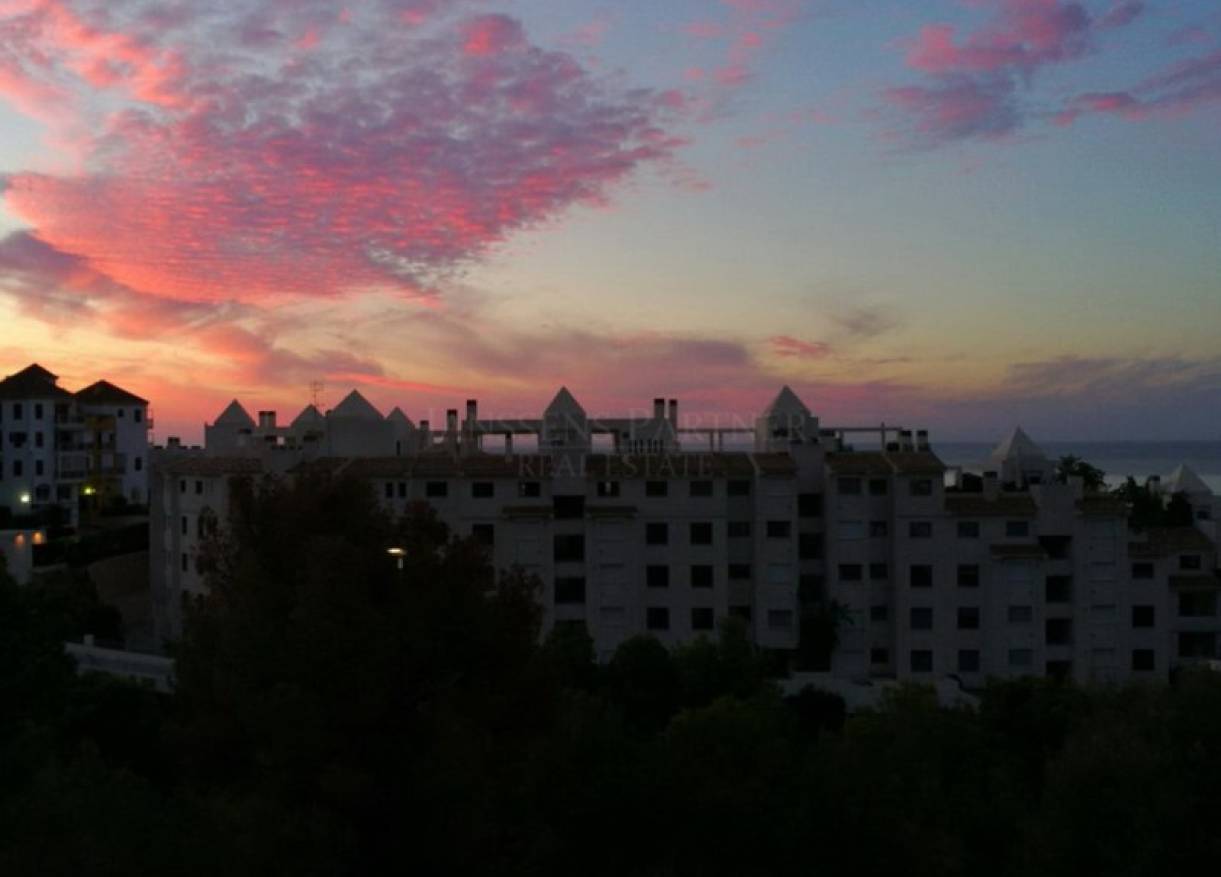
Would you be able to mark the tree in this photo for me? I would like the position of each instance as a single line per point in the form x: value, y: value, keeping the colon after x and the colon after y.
x: 1070, y: 466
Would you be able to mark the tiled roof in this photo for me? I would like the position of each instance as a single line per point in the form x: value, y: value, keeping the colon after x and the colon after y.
x: 915, y: 462
x: 978, y: 506
x: 106, y: 393
x: 885, y: 463
x: 200, y: 465
x: 32, y: 382
x: 1165, y: 541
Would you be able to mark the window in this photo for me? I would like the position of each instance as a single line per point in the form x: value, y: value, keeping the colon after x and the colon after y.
x: 120, y: 413
x: 921, y: 487
x: 968, y: 529
x: 566, y: 508
x: 199, y: 488
x: 879, y: 571
x: 569, y: 547
x: 1142, y: 571
x: 1190, y: 562
x: 1143, y: 660
x: 968, y: 575
x: 778, y: 529
x: 702, y: 618
x: 701, y: 576
x: 879, y: 613
x: 920, y: 529
x: 1021, y: 658
x: 185, y: 525
x: 738, y: 488
x: 1198, y: 645
x: 402, y: 489
x: 968, y: 618
x: 137, y: 414
x: 38, y: 411
x: 809, y: 546
x: 38, y: 467
x: 1197, y: 604
x: 810, y: 587
x: 569, y: 590
x: 879, y: 655
x: 847, y: 530
x: 780, y: 619
x: 701, y: 533
x: 483, y: 489
x: 436, y: 489
x: 389, y: 490
x: 484, y: 534
x: 848, y: 486
x: 739, y: 529
x: 38, y: 439
x: 878, y: 529
x: 921, y: 576
x: 878, y: 487
x: 608, y: 489
x: 1143, y: 616
x: 656, y: 488
x: 1017, y: 529
x: 657, y: 576
x: 968, y: 660
x: 657, y: 618
x: 921, y: 661
x: 809, y: 505
x: 701, y: 488
x: 656, y: 533
x: 849, y: 572
x: 1021, y: 614
x: 921, y: 618
x: 182, y: 486
x: 1059, y: 589
x: 529, y: 489
x: 138, y: 462
x: 1058, y: 631
x: 17, y: 411
x: 739, y: 571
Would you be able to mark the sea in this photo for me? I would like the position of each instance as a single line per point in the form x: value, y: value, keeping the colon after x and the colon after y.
x: 1118, y: 460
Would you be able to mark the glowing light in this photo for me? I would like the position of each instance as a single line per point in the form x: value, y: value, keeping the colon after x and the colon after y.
x: 25, y: 499
x: 89, y: 491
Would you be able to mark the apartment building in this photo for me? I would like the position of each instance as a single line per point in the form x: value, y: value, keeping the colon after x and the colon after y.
x: 641, y: 525
x: 59, y: 448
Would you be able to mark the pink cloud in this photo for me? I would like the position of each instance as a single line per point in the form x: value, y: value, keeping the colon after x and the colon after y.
x: 956, y: 108
x: 794, y: 348
x: 1181, y: 89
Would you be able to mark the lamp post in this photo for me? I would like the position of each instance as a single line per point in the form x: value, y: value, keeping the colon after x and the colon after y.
x: 399, y: 554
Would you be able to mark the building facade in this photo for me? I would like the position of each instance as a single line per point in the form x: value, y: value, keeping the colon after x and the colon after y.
x: 639, y: 525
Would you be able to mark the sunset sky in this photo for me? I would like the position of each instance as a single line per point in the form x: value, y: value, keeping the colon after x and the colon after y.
x: 954, y: 214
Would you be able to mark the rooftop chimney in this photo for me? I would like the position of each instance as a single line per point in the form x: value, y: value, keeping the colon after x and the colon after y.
x: 472, y: 411
x: 674, y: 413
x: 659, y: 409
x: 922, y: 440
x: 451, y: 421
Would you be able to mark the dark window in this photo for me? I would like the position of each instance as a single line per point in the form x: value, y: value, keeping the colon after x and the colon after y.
x: 569, y: 547
x: 138, y: 462
x: 921, y: 618
x: 436, y: 489
x: 656, y: 488
x: 1142, y: 570
x: 879, y: 613
x: 810, y: 587
x: 701, y: 488
x: 137, y: 415
x: 701, y: 533
x: 779, y: 529
x: 701, y: 576
x: 739, y: 529
x: 1198, y: 644
x: 120, y: 412
x: 878, y: 487
x: 185, y: 525
x: 849, y: 572
x: 482, y: 489
x: 608, y: 489
x: 657, y: 618
x: 402, y: 489
x: 1017, y: 529
x: 570, y: 589
x: 848, y: 486
x: 38, y: 439
x: 389, y: 490
x: 968, y: 618
x: 920, y: 529
x: 879, y: 529
x: 568, y: 507
x: 17, y: 411
x: 738, y: 488
x: 968, y: 660
x: 1143, y: 660
x: 921, y: 576
x: 38, y: 411
x: 529, y: 489
x: 484, y: 534
x: 657, y: 576
x: 1143, y: 616
x: 656, y: 533
x: 702, y: 618
x: 739, y: 571
x: 879, y: 655
x: 1190, y: 562
x: 1058, y: 631
x: 921, y: 661
x: 38, y: 467
x: 182, y: 486
x: 1197, y: 604
x: 1059, y: 589
x: 968, y: 575
x: 921, y: 487
x: 198, y: 488
x: 809, y: 546
x: 186, y: 562
x: 809, y: 505
x: 879, y: 571
x: 968, y: 529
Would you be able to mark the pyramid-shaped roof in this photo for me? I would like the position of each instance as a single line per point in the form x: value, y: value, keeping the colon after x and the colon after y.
x: 357, y: 406
x: 235, y: 415
x: 400, y: 419
x: 1018, y: 445
x: 309, y: 417
x: 106, y: 393
x: 787, y: 403
x: 1184, y: 480
x: 564, y: 404
x: 32, y: 382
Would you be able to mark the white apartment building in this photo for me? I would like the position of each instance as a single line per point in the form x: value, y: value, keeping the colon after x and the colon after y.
x: 639, y: 525
x: 58, y: 448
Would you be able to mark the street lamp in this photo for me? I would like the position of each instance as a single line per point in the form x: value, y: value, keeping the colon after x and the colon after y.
x: 25, y: 499
x: 398, y: 554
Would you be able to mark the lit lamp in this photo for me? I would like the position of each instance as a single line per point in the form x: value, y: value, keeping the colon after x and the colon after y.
x: 89, y: 491
x: 398, y: 554
x: 25, y: 499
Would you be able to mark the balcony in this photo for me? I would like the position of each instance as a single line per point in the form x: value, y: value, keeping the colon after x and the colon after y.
x: 72, y: 467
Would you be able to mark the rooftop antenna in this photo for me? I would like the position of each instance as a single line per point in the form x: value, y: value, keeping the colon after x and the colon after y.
x: 315, y: 387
